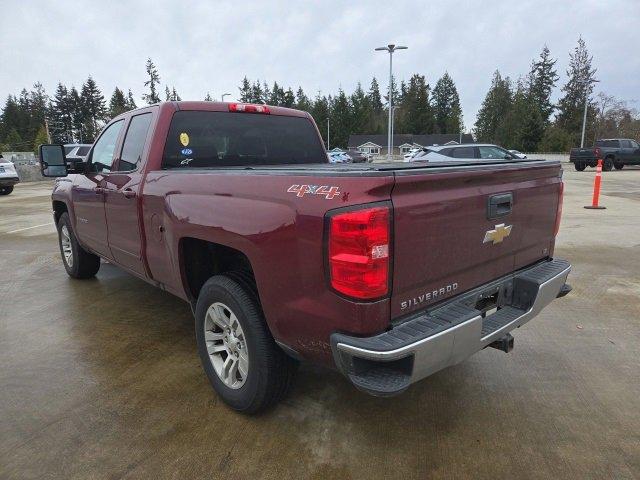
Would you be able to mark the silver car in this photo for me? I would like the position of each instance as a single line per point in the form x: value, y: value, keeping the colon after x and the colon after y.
x: 465, y: 151
x: 8, y: 176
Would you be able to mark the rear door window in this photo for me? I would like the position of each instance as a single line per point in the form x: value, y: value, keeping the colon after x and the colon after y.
x: 463, y: 152
x: 219, y: 139
x: 134, y: 143
x: 494, y: 153
x: 608, y: 143
x: 83, y: 151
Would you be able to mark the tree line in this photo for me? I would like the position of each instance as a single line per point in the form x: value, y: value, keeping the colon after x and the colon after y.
x: 519, y: 115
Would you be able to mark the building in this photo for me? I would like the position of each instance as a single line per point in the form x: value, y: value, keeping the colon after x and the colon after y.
x: 403, y: 143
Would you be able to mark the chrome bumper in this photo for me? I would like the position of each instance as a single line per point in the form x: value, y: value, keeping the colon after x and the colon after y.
x: 432, y: 340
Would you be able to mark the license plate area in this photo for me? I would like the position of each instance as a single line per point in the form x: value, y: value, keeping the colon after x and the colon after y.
x: 492, y: 299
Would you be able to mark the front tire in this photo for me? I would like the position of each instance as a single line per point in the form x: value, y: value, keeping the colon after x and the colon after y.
x: 242, y: 361
x: 580, y: 166
x: 77, y: 261
x: 6, y: 190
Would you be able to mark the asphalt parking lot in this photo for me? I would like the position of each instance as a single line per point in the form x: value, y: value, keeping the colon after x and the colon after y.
x: 101, y: 379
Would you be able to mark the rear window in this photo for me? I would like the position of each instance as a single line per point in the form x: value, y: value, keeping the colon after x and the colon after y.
x: 83, y: 151
x: 219, y: 139
x: 607, y: 143
x: 67, y: 150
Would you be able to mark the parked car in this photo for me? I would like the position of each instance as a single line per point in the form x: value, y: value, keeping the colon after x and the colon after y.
x: 77, y: 152
x: 411, y: 153
x: 283, y: 257
x: 356, y: 156
x: 465, y: 151
x: 339, y: 157
x: 518, y: 154
x: 614, y: 153
x: 8, y: 176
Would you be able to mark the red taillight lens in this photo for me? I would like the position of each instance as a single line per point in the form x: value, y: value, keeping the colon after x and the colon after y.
x: 559, y: 210
x: 248, y: 108
x: 359, y: 252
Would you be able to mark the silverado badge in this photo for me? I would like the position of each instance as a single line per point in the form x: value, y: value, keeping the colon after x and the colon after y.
x: 498, y: 234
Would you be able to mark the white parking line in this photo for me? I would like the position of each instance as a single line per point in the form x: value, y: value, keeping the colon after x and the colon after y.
x: 29, y: 228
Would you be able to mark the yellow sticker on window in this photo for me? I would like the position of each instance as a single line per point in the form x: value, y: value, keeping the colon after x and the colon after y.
x: 184, y: 139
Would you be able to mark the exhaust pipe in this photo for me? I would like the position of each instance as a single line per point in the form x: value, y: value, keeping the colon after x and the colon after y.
x: 504, y: 343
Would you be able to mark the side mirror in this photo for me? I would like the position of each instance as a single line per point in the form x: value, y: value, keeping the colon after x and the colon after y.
x: 53, y: 162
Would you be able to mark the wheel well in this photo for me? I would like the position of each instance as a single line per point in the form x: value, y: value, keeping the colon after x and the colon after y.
x: 58, y: 209
x: 201, y: 260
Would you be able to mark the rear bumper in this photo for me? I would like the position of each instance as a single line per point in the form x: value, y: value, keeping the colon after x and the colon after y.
x: 8, y: 181
x: 428, y: 341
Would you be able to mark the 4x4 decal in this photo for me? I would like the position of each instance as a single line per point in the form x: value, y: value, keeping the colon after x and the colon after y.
x: 326, y: 191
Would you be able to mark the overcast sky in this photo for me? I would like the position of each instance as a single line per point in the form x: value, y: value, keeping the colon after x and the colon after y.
x: 209, y: 46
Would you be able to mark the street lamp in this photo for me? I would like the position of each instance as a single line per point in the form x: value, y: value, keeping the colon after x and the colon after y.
x: 224, y: 95
x: 586, y: 84
x: 390, y: 48
x: 327, y: 134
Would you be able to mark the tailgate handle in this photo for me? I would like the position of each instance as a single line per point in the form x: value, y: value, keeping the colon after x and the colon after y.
x: 499, y: 205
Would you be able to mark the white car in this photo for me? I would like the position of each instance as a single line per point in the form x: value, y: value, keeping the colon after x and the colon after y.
x: 465, y: 151
x: 8, y: 176
x: 411, y: 153
x: 339, y: 157
x: 518, y: 154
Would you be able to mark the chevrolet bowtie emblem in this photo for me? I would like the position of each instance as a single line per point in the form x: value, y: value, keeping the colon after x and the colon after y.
x: 497, y: 235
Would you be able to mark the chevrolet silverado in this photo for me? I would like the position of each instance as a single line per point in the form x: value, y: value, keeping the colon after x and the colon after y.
x: 388, y: 272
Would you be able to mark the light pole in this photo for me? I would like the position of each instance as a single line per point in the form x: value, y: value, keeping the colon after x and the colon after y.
x: 390, y: 48
x: 586, y: 84
x: 327, y: 134
x: 224, y: 95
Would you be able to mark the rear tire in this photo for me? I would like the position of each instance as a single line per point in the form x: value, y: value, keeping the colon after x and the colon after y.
x: 580, y: 166
x: 244, y: 365
x: 607, y: 164
x: 6, y: 190
x: 77, y: 261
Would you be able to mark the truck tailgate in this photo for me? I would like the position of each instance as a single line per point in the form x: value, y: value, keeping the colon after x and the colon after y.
x: 441, y: 222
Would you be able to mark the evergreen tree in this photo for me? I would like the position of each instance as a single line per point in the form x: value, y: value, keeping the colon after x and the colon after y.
x: 77, y: 116
x: 302, y: 101
x: 38, y: 101
x: 118, y: 103
x: 167, y: 93
x: 541, y: 82
x: 208, y: 98
x: 360, y: 111
x: 340, y: 114
x: 277, y: 95
x: 171, y: 95
x: 61, y: 123
x: 446, y: 106
x: 522, y: 127
x: 131, y: 103
x: 10, y: 117
x: 14, y: 141
x: 93, y: 108
x: 245, y: 91
x: 579, y: 85
x: 494, y: 109
x: 41, y: 138
x: 257, y: 93
x: 375, y: 99
x: 320, y: 114
x: 288, y: 99
x: 416, y: 115
x: 153, y: 83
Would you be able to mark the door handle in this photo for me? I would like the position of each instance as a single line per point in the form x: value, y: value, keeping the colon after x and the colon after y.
x: 499, y: 205
x: 129, y: 193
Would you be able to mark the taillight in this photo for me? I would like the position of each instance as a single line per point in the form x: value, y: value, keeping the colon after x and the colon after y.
x: 248, y: 108
x: 597, y: 152
x: 559, y: 210
x: 358, y: 252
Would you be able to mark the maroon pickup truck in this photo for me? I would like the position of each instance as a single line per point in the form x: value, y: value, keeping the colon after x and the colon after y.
x: 387, y: 272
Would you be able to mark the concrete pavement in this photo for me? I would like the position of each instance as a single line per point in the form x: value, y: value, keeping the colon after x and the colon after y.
x: 101, y: 378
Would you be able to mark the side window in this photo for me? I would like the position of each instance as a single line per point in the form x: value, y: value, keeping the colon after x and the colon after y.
x: 625, y: 144
x: 134, y: 143
x: 103, y: 150
x: 634, y: 144
x: 493, y: 153
x: 463, y: 152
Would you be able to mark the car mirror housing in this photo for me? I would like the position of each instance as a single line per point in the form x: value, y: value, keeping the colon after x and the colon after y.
x: 53, y: 162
